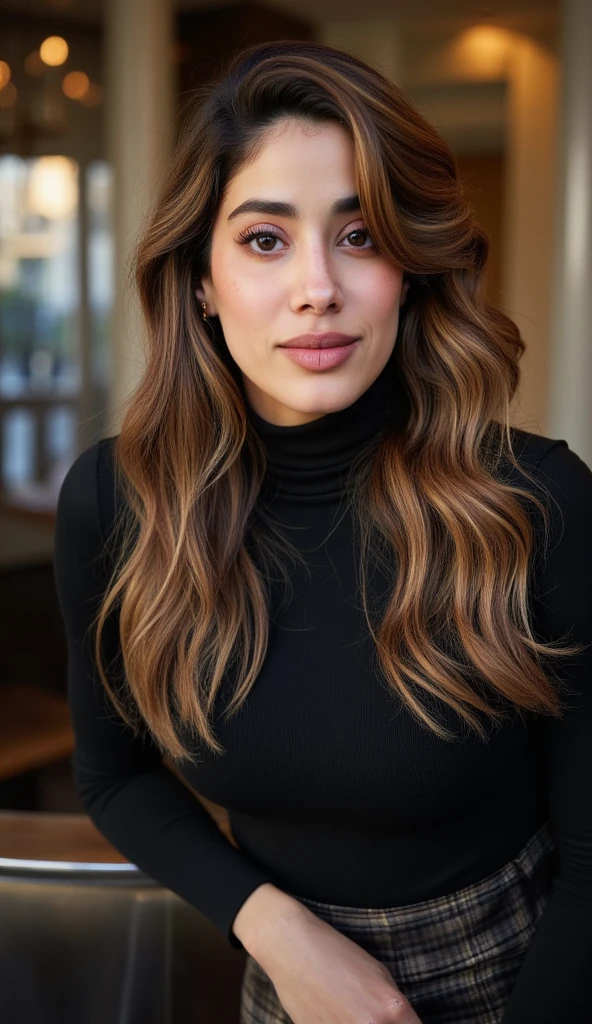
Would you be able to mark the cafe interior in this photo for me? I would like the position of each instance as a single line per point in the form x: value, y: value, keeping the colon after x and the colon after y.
x: 92, y: 96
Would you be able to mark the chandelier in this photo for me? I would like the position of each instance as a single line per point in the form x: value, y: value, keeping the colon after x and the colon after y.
x: 38, y: 108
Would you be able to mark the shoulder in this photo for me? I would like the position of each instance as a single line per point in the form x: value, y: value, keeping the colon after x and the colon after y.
x: 565, y: 563
x: 558, y: 467
x: 531, y: 449
x: 561, y: 481
x: 77, y: 498
x: 563, y: 566
x: 87, y: 493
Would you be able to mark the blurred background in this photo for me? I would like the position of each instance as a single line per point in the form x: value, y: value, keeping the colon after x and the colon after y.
x: 92, y: 93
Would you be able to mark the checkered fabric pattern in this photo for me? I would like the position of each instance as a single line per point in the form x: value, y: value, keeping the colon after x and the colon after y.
x: 456, y: 957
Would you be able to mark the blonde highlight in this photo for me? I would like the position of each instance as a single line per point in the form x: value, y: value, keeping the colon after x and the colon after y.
x: 193, y: 548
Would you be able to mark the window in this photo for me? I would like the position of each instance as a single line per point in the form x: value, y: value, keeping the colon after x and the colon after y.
x: 54, y: 315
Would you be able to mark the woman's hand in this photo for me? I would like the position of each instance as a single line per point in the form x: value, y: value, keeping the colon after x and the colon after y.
x: 322, y: 977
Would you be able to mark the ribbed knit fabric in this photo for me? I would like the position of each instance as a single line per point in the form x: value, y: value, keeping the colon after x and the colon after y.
x: 334, y: 791
x: 309, y: 463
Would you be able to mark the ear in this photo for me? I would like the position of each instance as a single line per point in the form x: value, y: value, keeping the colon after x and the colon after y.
x: 203, y: 293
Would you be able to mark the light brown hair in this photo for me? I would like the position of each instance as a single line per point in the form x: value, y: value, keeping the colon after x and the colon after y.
x: 430, y: 503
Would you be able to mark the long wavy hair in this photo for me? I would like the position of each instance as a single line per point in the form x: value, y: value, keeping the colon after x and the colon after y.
x: 192, y: 549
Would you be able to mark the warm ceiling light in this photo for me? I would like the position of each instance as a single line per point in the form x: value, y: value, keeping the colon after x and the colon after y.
x: 53, y: 51
x: 53, y: 187
x: 484, y: 49
x: 75, y: 85
x: 34, y: 65
x: 8, y: 96
x: 4, y: 74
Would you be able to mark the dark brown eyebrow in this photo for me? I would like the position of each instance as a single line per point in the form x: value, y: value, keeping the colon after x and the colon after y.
x: 273, y: 208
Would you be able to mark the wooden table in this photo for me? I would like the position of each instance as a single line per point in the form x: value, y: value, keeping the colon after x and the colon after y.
x: 32, y: 835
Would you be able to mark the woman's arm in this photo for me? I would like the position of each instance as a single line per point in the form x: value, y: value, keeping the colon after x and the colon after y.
x: 555, y: 980
x: 148, y: 814
x: 317, y: 972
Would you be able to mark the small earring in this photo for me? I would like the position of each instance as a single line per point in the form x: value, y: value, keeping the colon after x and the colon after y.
x: 204, y: 311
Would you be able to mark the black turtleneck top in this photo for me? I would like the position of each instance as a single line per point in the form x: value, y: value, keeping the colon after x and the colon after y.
x: 334, y: 791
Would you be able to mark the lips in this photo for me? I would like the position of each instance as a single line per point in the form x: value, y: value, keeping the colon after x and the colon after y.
x: 328, y: 339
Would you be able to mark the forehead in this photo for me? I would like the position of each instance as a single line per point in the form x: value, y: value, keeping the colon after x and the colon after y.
x: 295, y: 155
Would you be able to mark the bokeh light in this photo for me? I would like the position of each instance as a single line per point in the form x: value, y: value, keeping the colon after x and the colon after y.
x: 53, y: 187
x: 8, y: 96
x: 75, y: 85
x: 54, y: 51
x: 4, y: 74
x: 34, y: 65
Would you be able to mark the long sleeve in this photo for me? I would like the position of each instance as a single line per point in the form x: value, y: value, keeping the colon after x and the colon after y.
x: 140, y: 806
x: 555, y: 979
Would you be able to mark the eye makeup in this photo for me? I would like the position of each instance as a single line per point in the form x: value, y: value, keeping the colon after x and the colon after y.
x: 246, y: 236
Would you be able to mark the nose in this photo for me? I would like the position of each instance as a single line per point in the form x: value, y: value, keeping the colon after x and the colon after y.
x: 316, y: 284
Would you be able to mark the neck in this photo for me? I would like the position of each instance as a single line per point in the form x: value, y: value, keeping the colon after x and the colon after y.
x: 309, y: 462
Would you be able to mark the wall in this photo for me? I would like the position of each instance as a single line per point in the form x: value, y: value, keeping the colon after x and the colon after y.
x: 484, y: 178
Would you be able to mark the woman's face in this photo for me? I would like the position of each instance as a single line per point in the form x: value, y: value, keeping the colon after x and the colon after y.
x: 307, y: 269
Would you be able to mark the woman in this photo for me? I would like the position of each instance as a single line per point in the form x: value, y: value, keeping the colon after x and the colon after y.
x: 407, y: 769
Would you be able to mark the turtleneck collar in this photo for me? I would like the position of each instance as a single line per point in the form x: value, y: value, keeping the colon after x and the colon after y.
x: 309, y: 463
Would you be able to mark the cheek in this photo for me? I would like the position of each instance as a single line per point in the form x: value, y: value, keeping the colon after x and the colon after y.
x: 380, y: 291
x: 242, y: 289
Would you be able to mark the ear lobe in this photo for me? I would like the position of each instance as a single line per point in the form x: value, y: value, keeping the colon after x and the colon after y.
x: 201, y: 296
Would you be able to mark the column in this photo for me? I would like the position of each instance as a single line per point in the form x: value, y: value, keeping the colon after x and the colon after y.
x: 530, y: 188
x: 139, y: 77
x: 571, y: 350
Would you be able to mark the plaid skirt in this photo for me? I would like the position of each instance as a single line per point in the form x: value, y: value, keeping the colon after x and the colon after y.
x: 455, y: 957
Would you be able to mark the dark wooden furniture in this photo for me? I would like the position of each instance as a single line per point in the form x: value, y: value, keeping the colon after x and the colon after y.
x: 35, y: 729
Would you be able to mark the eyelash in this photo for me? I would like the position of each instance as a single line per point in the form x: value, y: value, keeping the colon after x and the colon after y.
x: 249, y: 234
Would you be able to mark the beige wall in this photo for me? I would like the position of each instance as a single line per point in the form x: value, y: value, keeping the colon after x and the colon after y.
x: 484, y: 178
x: 527, y: 285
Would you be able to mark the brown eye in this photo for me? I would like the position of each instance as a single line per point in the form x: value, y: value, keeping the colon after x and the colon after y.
x: 358, y: 232
x: 255, y: 235
x: 270, y: 238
